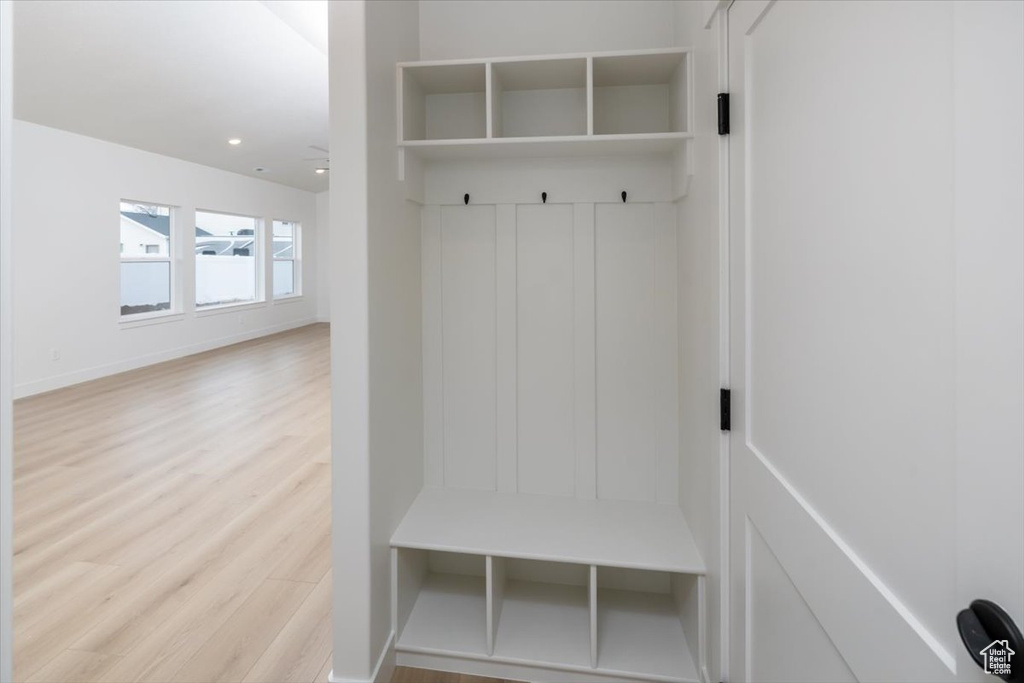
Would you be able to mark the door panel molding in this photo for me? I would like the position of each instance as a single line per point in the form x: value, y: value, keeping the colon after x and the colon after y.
x: 787, y: 615
x: 823, y: 560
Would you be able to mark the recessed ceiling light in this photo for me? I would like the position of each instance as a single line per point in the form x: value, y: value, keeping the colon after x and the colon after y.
x: 320, y: 171
x: 235, y: 141
x: 260, y: 169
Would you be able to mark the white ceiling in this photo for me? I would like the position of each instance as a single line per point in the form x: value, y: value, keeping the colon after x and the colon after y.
x: 181, y: 78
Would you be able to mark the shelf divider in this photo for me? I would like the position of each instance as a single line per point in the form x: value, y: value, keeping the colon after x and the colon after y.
x: 408, y: 570
x: 495, y: 595
x: 590, y: 95
x: 592, y: 586
x: 493, y: 95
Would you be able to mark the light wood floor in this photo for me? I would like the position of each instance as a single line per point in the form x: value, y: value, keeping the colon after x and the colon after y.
x: 173, y: 523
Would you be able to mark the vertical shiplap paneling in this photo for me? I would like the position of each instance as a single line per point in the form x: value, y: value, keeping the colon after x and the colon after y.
x: 433, y: 396
x: 627, y: 365
x: 505, y: 293
x: 468, y: 349
x: 585, y: 420
x: 666, y: 337
x: 546, y: 373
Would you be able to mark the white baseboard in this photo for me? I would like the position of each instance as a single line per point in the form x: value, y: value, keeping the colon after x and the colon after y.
x: 508, y: 669
x: 78, y: 376
x: 323, y: 318
x: 382, y: 672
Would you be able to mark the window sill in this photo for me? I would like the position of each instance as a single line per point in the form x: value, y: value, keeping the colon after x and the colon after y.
x: 147, y: 319
x: 228, y: 308
x: 290, y: 299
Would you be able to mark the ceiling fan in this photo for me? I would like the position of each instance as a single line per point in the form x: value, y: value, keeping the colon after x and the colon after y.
x: 325, y: 162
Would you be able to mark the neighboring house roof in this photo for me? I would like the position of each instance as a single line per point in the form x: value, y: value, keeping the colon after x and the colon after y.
x: 160, y: 224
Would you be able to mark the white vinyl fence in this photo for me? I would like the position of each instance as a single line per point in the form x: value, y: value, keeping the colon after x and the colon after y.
x: 219, y: 280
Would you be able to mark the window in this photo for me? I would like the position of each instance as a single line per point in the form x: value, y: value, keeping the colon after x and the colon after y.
x: 146, y: 258
x: 286, y: 259
x: 227, y: 253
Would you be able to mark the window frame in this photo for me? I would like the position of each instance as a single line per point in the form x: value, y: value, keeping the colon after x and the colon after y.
x: 259, y: 236
x: 173, y: 260
x: 296, y: 260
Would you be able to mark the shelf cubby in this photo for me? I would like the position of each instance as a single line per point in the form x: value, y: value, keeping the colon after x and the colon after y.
x: 538, y: 98
x: 443, y: 101
x: 648, y: 622
x: 542, y: 612
x: 440, y: 601
x: 641, y: 93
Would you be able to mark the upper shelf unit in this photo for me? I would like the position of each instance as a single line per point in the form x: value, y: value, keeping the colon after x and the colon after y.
x: 582, y: 104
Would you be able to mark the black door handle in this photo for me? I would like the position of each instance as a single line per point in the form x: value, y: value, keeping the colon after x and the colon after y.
x: 994, y: 641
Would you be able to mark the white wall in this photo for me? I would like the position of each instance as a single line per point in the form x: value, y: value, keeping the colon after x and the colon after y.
x: 350, y: 376
x: 988, y: 54
x: 6, y: 381
x: 323, y: 253
x: 452, y: 29
x: 699, y: 316
x: 396, y: 355
x: 67, y: 190
x: 377, y: 416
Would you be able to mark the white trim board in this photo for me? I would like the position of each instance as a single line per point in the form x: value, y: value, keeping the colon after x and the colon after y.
x: 383, y: 665
x: 609, y: 144
x: 724, y: 318
x: 77, y: 377
x: 517, y: 671
x: 6, y: 364
x: 551, y: 57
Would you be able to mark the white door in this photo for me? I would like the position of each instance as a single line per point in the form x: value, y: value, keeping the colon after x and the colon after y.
x: 877, y: 335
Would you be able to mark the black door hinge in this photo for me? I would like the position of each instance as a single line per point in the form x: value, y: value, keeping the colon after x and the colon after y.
x: 725, y: 419
x: 723, y: 113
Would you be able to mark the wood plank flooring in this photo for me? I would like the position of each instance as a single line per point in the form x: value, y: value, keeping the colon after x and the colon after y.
x: 173, y: 523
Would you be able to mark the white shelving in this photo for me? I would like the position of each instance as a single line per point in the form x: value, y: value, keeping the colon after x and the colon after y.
x: 539, y: 98
x: 635, y: 102
x: 441, y: 601
x: 608, y: 533
x: 641, y: 93
x: 450, y: 615
x: 443, y: 102
x: 544, y: 622
x: 638, y: 633
x: 607, y: 588
x: 544, y: 587
x: 554, y: 146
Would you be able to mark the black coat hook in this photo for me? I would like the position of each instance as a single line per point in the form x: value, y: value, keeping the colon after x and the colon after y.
x: 465, y: 198
x: 544, y: 197
x: 623, y: 196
